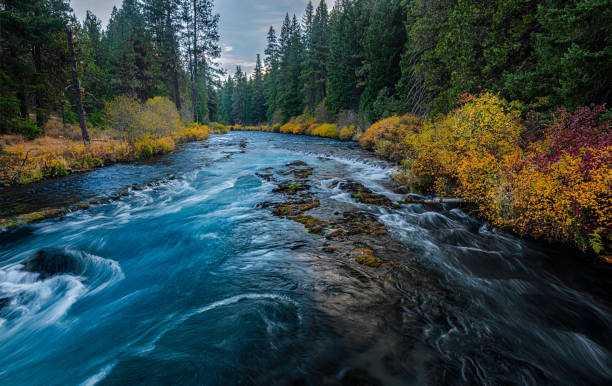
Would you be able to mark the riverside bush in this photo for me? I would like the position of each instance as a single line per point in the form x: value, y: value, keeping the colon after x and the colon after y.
x: 548, y: 179
x: 18, y: 166
x: 327, y: 130
x: 193, y: 132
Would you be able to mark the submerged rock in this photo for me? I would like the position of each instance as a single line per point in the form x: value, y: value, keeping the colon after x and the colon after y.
x: 312, y: 224
x: 53, y: 261
x: 295, y: 209
x: 357, y: 223
x: 365, y: 195
x: 301, y: 173
x: 290, y: 189
x: 265, y: 176
x: 297, y: 163
x: 359, y: 377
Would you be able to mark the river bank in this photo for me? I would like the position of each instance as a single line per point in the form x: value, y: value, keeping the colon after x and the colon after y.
x: 544, y: 176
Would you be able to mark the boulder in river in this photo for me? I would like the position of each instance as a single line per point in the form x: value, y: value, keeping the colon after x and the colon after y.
x: 53, y: 261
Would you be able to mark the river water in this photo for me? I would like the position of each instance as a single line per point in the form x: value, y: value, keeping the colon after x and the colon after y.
x: 187, y: 280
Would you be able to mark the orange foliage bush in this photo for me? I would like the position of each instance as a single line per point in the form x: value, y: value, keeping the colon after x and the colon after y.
x: 475, y: 152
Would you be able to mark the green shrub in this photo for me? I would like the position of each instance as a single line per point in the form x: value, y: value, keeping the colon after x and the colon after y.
x: 25, y: 127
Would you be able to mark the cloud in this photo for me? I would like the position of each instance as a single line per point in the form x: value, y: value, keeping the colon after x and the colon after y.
x: 243, y: 25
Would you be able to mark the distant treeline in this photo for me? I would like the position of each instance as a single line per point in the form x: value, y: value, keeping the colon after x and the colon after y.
x: 149, y: 48
x: 383, y: 57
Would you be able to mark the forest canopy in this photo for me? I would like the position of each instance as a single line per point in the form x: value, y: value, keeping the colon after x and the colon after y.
x: 149, y: 48
x: 385, y: 57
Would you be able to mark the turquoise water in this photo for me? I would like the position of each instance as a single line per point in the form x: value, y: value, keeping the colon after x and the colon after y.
x: 189, y: 281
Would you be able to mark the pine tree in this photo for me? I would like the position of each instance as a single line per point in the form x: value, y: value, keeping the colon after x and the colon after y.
x: 258, y: 104
x: 34, y: 49
x: 94, y: 75
x: 202, y: 42
x: 291, y: 53
x: 271, y: 78
x: 347, y: 26
x: 163, y: 21
x: 134, y: 69
x: 308, y: 76
x: 383, y: 44
x: 320, y: 51
x: 226, y: 96
x: 239, y: 97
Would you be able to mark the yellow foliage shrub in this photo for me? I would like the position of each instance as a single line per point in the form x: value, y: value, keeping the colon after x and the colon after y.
x: 347, y: 133
x: 474, y: 152
x: 388, y: 136
x: 148, y: 147
x: 193, y: 132
x: 217, y: 128
x: 327, y: 130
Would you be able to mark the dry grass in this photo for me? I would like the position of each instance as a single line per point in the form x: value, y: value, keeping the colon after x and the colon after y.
x: 47, y: 144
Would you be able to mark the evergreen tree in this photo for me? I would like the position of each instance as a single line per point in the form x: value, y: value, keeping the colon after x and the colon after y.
x: 347, y: 26
x: 291, y: 53
x: 574, y: 52
x: 271, y: 78
x: 202, y: 43
x: 94, y: 77
x: 133, y: 67
x: 258, y: 104
x: 308, y: 77
x: 227, y: 96
x: 320, y: 52
x: 239, y: 97
x: 164, y: 23
x: 34, y: 59
x: 383, y: 45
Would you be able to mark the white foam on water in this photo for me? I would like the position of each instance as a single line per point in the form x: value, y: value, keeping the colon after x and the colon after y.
x: 100, y: 375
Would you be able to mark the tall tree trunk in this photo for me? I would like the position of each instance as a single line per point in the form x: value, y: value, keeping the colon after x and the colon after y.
x: 40, y: 116
x: 172, y: 40
x: 175, y: 85
x: 194, y: 75
x: 77, y: 88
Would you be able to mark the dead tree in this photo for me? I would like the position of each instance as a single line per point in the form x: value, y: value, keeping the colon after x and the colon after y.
x: 77, y: 88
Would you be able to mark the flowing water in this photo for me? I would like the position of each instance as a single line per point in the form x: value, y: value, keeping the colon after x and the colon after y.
x: 189, y: 281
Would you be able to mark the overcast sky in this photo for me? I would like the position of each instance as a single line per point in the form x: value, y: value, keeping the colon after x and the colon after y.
x: 243, y: 28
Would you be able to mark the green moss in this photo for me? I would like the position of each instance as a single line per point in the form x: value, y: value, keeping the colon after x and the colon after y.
x: 291, y: 210
x: 312, y: 224
x: 30, y: 218
x: 370, y: 261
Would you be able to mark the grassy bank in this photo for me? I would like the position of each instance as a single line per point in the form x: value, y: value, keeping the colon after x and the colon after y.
x: 307, y: 125
x: 542, y: 175
x: 134, y: 131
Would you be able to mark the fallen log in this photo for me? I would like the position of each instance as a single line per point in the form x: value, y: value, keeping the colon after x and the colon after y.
x: 438, y: 200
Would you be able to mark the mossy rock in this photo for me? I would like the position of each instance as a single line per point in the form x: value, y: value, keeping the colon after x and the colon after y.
x: 359, y: 223
x: 295, y: 209
x: 365, y: 195
x: 291, y: 189
x: 370, y: 261
x: 297, y: 163
x: 302, y: 173
x: 312, y: 224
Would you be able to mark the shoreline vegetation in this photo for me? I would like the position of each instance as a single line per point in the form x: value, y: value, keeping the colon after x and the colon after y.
x: 544, y: 176
x: 134, y: 131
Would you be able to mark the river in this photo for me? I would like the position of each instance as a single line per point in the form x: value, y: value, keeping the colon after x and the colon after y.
x: 185, y: 276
